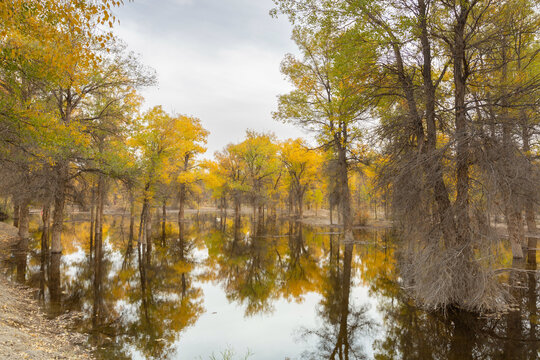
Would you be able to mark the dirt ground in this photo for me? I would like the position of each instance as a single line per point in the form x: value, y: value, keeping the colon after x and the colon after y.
x: 25, y: 331
x: 324, y: 220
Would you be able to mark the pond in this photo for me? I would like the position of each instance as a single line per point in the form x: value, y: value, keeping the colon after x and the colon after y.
x: 281, y: 290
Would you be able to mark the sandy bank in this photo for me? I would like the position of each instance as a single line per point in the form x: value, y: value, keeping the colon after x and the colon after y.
x: 25, y: 331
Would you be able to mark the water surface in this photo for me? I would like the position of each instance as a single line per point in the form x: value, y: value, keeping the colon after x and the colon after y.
x: 275, y: 291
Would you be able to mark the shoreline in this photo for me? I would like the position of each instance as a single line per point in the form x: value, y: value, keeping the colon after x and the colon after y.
x: 321, y: 218
x: 25, y: 330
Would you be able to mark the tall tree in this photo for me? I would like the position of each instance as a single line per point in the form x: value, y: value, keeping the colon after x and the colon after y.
x: 193, y: 143
x: 328, y: 99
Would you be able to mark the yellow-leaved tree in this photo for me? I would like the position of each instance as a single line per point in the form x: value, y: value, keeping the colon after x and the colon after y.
x: 302, y: 169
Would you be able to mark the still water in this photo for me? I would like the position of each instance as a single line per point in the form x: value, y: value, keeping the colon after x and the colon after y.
x: 275, y: 291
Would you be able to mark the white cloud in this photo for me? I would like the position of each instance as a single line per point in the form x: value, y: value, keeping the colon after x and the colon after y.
x: 230, y: 87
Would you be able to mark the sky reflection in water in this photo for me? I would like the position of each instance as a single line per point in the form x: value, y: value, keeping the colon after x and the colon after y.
x: 289, y: 291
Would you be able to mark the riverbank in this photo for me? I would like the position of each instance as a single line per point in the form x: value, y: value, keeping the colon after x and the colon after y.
x: 320, y: 218
x: 25, y: 331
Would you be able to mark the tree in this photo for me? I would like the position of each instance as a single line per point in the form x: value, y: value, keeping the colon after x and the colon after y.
x: 192, y: 144
x: 329, y: 99
x: 159, y: 141
x: 302, y: 167
x: 437, y: 62
x: 229, y: 177
x: 248, y: 171
x: 258, y: 154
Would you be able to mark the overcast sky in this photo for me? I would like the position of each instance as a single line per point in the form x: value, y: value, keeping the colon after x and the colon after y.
x: 217, y: 60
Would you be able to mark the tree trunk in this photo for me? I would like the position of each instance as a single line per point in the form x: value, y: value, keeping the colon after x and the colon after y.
x: 59, y: 204
x: 181, y: 205
x: 163, y: 221
x: 24, y: 218
x: 529, y: 202
x: 254, y: 210
x: 514, y: 227
x: 223, y: 212
x: 531, y: 221
x: 131, y: 222
x: 148, y: 233
x: 290, y: 201
x: 98, y: 235
x: 16, y: 211
x: 92, y: 219
x: 300, y: 202
x: 345, y: 195
x: 54, y: 282
x: 141, y: 239
x: 462, y: 142
x: 512, y: 210
x: 260, y: 215
x: 46, y: 215
x: 385, y: 208
x: 237, y: 209
x: 21, y: 261
x: 98, y: 257
x: 433, y: 167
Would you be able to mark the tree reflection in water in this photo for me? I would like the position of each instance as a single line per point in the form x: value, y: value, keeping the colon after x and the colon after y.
x: 148, y: 297
x: 414, y: 334
x: 344, y: 324
x: 140, y: 304
x: 259, y: 268
x: 245, y: 263
x: 162, y: 303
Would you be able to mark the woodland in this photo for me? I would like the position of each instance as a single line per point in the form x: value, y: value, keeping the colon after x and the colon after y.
x: 425, y: 113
